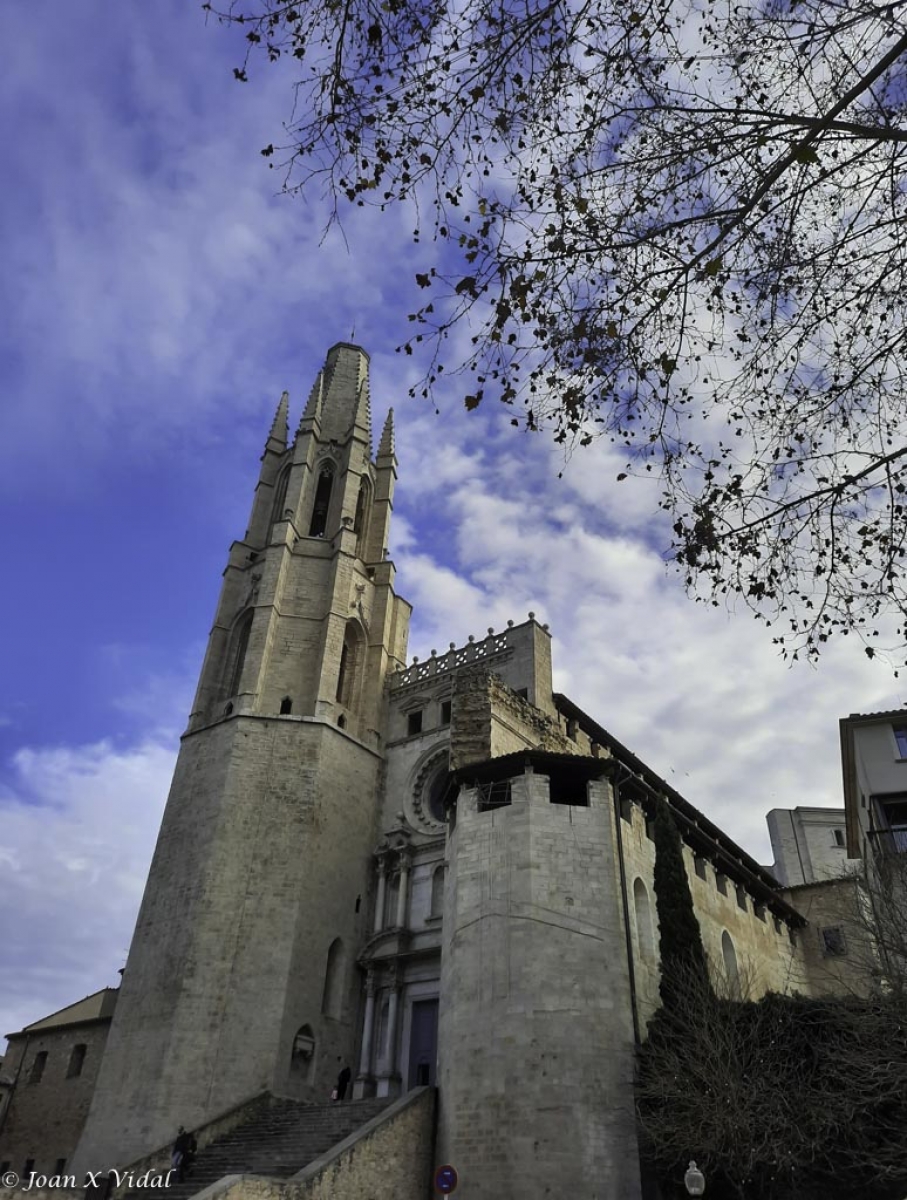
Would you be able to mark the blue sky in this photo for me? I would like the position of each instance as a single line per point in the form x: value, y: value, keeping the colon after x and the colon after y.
x: 157, y: 296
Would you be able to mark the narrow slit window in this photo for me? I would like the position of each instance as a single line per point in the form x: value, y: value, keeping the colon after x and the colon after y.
x: 437, y: 892
x: 360, y: 522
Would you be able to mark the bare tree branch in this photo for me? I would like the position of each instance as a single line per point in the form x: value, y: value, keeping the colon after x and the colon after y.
x: 680, y: 228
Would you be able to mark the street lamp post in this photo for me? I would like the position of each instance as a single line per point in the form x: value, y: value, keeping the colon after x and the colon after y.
x: 694, y: 1180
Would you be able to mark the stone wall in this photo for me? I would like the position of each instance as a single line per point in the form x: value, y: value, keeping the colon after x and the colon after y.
x: 835, y: 948
x: 536, y: 1038
x: 262, y: 856
x: 491, y: 720
x: 766, y: 957
x: 390, y: 1158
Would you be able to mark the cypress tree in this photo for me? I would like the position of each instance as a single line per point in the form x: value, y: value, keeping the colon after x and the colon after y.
x: 679, y: 938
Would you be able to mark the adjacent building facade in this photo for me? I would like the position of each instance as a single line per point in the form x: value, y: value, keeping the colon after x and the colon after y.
x: 49, y: 1074
x: 874, y: 766
x: 809, y: 844
x: 439, y: 872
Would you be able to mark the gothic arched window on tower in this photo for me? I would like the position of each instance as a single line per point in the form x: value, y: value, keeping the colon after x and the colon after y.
x: 347, y: 675
x: 360, y: 524
x: 280, y: 496
x: 332, y: 995
x: 238, y: 656
x: 322, y: 501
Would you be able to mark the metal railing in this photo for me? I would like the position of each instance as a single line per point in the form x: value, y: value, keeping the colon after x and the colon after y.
x: 493, y: 795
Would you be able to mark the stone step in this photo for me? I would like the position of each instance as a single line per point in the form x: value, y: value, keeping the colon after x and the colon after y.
x: 278, y: 1141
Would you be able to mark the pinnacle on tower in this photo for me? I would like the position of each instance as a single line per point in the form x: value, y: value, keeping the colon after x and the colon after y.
x: 277, y: 438
x: 386, y: 445
x: 313, y: 406
x: 279, y: 426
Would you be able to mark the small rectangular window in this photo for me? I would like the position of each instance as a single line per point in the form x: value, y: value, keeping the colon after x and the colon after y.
x: 28, y: 1168
x: 650, y: 828
x: 900, y: 736
x: 699, y: 864
x: 626, y: 811
x: 414, y: 723
x: 721, y: 883
x: 741, y: 897
x: 839, y: 837
x: 832, y: 941
x: 563, y: 790
x: 779, y: 924
x: 37, y: 1067
x: 446, y: 706
x: 60, y: 1166
x: 759, y: 910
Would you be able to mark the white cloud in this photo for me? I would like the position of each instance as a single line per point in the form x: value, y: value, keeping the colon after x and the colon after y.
x: 78, y: 829
x: 700, y: 695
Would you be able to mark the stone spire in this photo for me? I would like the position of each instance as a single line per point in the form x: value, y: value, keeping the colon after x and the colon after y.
x: 385, y: 477
x: 386, y: 445
x: 341, y: 405
x: 277, y: 438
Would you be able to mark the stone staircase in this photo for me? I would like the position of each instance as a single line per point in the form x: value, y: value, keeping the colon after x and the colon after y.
x: 277, y: 1142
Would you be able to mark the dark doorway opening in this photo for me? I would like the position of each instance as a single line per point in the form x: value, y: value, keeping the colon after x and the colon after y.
x: 423, y: 1044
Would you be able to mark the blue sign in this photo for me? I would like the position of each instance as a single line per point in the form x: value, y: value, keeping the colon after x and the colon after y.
x: 446, y: 1179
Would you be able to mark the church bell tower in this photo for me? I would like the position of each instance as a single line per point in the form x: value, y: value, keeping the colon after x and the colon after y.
x: 241, y: 976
